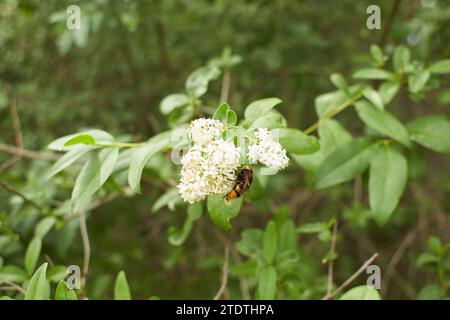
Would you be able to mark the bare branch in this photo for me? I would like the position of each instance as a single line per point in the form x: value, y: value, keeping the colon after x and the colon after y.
x: 28, y: 153
x: 10, y: 189
x: 331, y: 261
x: 86, y: 250
x: 353, y: 277
x: 223, y: 286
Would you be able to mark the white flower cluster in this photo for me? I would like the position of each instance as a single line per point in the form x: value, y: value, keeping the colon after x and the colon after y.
x: 267, y: 151
x: 202, y: 131
x: 209, y: 167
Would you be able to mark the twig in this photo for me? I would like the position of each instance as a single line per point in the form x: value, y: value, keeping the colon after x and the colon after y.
x: 353, y: 277
x: 10, y: 189
x: 242, y: 282
x: 397, y: 257
x: 223, y: 286
x: 86, y: 249
x: 226, y: 80
x: 390, y: 19
x: 27, y: 153
x: 16, y: 124
x: 13, y: 286
x: 332, y: 113
x: 331, y: 261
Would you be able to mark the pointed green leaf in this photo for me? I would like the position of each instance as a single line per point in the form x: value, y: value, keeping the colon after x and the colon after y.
x: 348, y: 161
x: 98, y: 135
x: 64, y: 293
x: 297, y: 142
x: 44, y: 226
x: 260, y: 108
x: 440, y: 67
x: 172, y: 102
x: 221, y: 213
x: 142, y: 155
x: 267, y: 283
x: 270, y: 242
x: 431, y: 132
x: 418, y: 80
x: 37, y: 287
x: 177, y: 237
x: 94, y: 174
x: 361, y: 293
x: 121, y: 288
x: 373, y: 74
x: 81, y: 139
x: 32, y: 254
x: 68, y: 158
x: 197, y: 82
x: 383, y: 122
x: 388, y: 174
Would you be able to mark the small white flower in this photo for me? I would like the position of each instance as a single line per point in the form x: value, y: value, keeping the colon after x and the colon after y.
x: 267, y: 151
x: 202, y: 131
x: 208, y: 170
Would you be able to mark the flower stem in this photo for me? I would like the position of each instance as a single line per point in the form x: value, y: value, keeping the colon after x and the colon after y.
x: 333, y: 112
x: 118, y: 144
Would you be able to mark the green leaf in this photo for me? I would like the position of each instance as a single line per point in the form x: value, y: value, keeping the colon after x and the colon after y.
x: 260, y: 108
x: 170, y: 199
x: 64, y: 293
x: 270, y: 242
x: 121, y: 289
x: 348, y: 161
x: 225, y: 115
x: 142, y: 155
x: 339, y: 81
x: 361, y: 293
x: 172, y: 102
x: 440, y: 67
x: 68, y: 158
x: 312, y: 227
x: 98, y: 135
x: 388, y: 175
x: 94, y: 174
x: 267, y: 283
x: 427, y: 259
x: 269, y: 121
x: 37, y: 287
x: 388, y: 90
x: 197, y: 82
x: 44, y: 226
x: 251, y: 242
x: 373, y: 74
x: 81, y: 139
x: 177, y: 237
x: 57, y: 273
x: 401, y: 58
x: 377, y: 54
x: 418, y: 80
x: 326, y: 102
x: 383, y: 122
x: 32, y: 254
x: 430, y: 131
x: 297, y: 142
x: 435, y: 245
x: 220, y: 213
x: 374, y: 97
x: 431, y: 292
x: 13, y: 273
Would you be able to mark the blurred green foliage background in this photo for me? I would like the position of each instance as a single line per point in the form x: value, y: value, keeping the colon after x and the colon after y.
x: 131, y: 54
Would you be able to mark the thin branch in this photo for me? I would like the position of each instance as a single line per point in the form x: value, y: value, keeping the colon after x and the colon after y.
x: 353, y: 277
x: 28, y: 153
x: 86, y: 250
x: 387, y: 26
x: 16, y: 124
x: 13, y: 286
x: 331, y: 261
x: 10, y: 189
x: 242, y: 282
x: 226, y: 81
x: 397, y: 257
x: 223, y: 286
x: 332, y: 113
